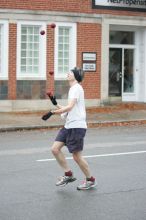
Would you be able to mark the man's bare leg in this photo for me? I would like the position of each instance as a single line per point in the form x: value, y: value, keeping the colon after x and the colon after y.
x: 68, y: 176
x: 56, y: 150
x: 82, y: 163
x: 90, y: 180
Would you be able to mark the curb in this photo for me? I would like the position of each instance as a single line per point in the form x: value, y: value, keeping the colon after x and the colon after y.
x: 89, y: 124
x: 116, y: 123
x: 27, y: 128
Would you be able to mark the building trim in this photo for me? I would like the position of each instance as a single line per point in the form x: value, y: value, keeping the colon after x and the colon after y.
x: 5, y: 46
x: 14, y: 15
x: 48, y: 16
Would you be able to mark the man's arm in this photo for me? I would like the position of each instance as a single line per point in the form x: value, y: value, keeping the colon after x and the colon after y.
x: 63, y: 109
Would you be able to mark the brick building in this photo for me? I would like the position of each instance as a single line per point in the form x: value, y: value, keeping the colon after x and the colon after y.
x: 107, y: 38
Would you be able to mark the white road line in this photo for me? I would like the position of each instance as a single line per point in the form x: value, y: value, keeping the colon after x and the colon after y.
x: 116, y: 144
x: 38, y: 150
x: 98, y: 155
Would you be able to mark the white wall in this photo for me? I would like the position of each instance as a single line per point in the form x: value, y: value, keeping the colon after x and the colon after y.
x: 140, y: 65
x: 145, y: 65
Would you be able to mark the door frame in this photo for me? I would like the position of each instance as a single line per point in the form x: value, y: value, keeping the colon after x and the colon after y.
x: 126, y: 96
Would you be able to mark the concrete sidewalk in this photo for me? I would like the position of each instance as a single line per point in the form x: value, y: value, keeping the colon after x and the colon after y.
x: 116, y: 115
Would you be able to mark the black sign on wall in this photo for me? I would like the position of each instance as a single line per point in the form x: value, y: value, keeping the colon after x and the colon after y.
x: 126, y: 5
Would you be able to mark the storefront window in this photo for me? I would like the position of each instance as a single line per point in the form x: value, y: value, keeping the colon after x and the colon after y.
x: 3, y: 89
x: 29, y: 49
x: 63, y: 49
x: 61, y: 89
x: 128, y: 70
x: 121, y: 37
x: 31, y: 89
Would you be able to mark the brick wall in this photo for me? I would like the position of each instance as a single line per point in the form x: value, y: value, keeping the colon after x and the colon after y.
x: 12, y: 61
x: 89, y: 40
x: 82, y: 6
x: 50, y: 59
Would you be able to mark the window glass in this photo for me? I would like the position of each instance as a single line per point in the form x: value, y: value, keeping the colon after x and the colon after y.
x: 63, y: 49
x: 29, y: 49
x: 121, y: 37
x: 3, y: 89
x: 31, y: 89
x: 128, y: 70
x: 61, y: 89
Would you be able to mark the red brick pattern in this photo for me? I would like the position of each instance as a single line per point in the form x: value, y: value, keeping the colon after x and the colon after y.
x: 50, y: 58
x: 81, y: 6
x: 12, y: 61
x: 55, y: 5
x: 89, y: 40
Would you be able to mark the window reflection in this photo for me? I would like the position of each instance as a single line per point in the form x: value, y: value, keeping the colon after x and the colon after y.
x: 128, y: 70
x: 121, y: 37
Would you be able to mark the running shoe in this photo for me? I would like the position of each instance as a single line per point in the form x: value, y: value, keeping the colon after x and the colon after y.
x: 87, y: 185
x: 64, y: 180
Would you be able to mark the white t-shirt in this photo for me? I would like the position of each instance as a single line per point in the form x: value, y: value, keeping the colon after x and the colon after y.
x: 76, y: 118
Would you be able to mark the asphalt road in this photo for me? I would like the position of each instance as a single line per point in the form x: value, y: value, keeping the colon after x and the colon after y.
x: 116, y: 155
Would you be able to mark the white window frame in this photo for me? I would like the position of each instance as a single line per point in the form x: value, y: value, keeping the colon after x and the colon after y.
x: 42, y: 54
x: 4, y: 49
x: 72, y: 51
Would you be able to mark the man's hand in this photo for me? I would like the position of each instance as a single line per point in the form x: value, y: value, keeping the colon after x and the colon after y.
x: 47, y: 115
x: 52, y: 98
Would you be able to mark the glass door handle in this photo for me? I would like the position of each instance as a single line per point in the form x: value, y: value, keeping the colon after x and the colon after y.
x: 120, y: 75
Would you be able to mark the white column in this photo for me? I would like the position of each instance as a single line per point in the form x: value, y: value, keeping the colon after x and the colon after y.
x: 104, y: 61
x: 144, y: 65
x: 140, y: 66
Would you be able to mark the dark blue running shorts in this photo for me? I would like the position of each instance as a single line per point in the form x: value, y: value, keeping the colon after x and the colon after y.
x: 73, y: 138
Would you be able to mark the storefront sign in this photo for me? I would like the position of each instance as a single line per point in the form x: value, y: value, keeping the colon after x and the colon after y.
x: 89, y: 67
x: 89, y: 56
x: 130, y: 5
x: 89, y: 61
